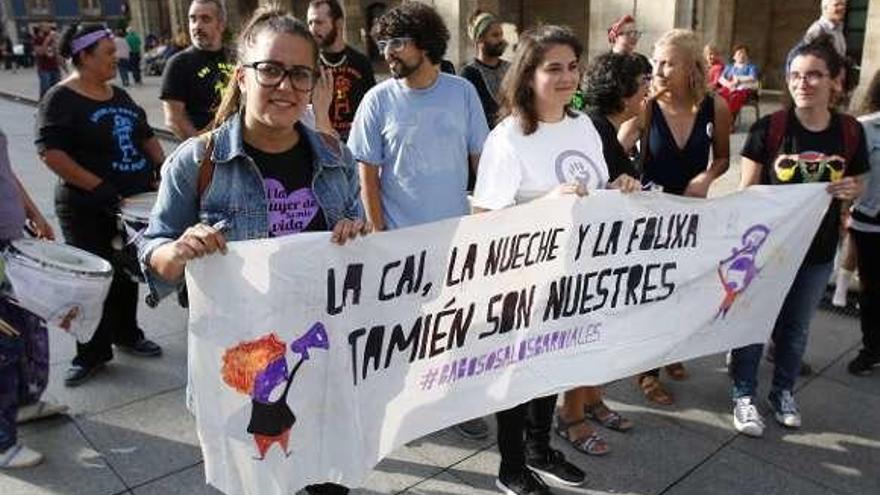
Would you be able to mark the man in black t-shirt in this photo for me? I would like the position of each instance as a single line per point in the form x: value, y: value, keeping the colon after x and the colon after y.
x: 352, y: 71
x: 194, y: 79
x: 487, y: 69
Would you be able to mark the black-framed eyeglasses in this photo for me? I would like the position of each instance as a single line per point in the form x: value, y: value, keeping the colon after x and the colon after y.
x: 812, y: 77
x: 393, y: 44
x: 270, y: 74
x: 632, y: 33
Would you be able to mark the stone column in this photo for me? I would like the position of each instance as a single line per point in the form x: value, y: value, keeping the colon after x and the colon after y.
x: 7, y: 20
x: 715, y: 23
x: 355, y: 20
x: 870, y: 52
x: 178, y: 11
x: 139, y: 19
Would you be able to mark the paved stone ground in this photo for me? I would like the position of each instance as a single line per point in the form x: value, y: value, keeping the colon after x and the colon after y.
x: 129, y: 432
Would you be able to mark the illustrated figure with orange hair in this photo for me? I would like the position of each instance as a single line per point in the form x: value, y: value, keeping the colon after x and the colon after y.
x: 258, y: 368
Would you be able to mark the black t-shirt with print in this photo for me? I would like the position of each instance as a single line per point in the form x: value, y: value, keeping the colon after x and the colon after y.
x: 104, y: 137
x: 196, y: 78
x: 616, y: 157
x: 352, y: 78
x: 805, y: 156
x: 287, y: 180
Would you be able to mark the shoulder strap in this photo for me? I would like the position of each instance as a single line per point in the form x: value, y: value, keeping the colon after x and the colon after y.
x: 644, y: 140
x: 850, y: 136
x: 708, y: 106
x: 206, y: 168
x: 778, y: 124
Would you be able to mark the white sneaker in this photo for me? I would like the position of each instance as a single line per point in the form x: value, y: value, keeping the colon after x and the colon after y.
x: 746, y: 418
x: 785, y: 410
x: 38, y: 410
x: 19, y: 456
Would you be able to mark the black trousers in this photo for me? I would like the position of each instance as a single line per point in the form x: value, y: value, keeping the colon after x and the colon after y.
x: 134, y: 65
x: 524, y: 433
x: 92, y: 229
x: 867, y: 245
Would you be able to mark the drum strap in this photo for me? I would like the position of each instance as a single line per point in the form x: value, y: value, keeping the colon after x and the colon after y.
x: 206, y: 169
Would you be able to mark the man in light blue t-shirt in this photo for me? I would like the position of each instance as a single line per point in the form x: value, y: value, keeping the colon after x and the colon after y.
x: 415, y: 135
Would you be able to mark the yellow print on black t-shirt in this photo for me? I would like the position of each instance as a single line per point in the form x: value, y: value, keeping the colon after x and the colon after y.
x: 809, y: 166
x: 224, y: 70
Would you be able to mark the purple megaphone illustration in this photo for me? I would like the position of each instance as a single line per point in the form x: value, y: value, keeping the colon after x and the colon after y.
x: 315, y: 338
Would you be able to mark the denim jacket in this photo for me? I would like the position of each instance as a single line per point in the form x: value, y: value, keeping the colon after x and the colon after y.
x: 869, y: 202
x: 236, y: 194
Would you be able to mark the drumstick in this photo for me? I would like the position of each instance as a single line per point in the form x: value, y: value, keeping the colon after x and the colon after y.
x: 221, y: 226
x: 7, y: 329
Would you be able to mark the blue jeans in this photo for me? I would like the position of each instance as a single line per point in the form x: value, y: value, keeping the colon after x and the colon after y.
x: 789, y: 335
x: 48, y: 78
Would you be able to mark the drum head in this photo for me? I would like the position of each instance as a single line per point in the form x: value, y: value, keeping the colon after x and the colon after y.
x: 61, y: 256
x: 138, y: 207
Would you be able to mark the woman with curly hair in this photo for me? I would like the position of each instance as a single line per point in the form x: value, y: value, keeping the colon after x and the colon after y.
x: 616, y: 89
x: 865, y: 230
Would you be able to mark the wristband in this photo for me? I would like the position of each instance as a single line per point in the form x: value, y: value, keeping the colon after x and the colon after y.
x: 105, y: 194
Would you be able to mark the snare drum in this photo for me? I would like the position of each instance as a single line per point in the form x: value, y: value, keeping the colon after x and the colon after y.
x: 63, y: 285
x: 134, y: 216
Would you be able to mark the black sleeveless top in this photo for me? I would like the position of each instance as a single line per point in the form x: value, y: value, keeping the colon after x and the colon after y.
x: 669, y: 166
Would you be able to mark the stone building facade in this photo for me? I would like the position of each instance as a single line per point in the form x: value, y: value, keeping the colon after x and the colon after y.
x: 769, y: 27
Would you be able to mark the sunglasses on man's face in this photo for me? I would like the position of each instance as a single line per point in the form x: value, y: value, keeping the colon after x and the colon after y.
x: 393, y: 44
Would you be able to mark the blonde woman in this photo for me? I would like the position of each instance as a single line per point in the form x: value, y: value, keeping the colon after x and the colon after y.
x: 685, y: 144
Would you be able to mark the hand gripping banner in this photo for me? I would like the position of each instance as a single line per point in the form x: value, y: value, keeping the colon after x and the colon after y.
x: 310, y: 362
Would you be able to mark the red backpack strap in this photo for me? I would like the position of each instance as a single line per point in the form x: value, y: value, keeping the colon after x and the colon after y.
x: 776, y: 133
x: 851, y: 135
x: 206, y: 169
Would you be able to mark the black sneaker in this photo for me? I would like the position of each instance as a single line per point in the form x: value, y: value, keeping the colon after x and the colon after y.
x: 474, y: 429
x: 142, y: 348
x: 555, y: 467
x: 863, y: 364
x: 327, y: 489
x: 526, y: 483
x: 78, y: 374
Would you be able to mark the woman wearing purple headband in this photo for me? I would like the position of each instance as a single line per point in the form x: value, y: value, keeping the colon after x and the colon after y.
x: 97, y: 140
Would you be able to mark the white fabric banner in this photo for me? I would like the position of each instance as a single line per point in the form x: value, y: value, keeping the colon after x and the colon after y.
x: 311, y: 362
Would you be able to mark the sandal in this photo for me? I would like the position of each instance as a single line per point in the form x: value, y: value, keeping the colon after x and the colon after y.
x: 676, y: 371
x: 654, y: 390
x: 603, y: 415
x: 591, y: 444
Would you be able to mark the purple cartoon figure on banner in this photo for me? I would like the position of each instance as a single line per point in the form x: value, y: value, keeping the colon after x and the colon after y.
x: 740, y: 268
x: 259, y: 368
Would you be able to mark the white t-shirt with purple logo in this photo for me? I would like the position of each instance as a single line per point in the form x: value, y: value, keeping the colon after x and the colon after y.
x: 515, y: 168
